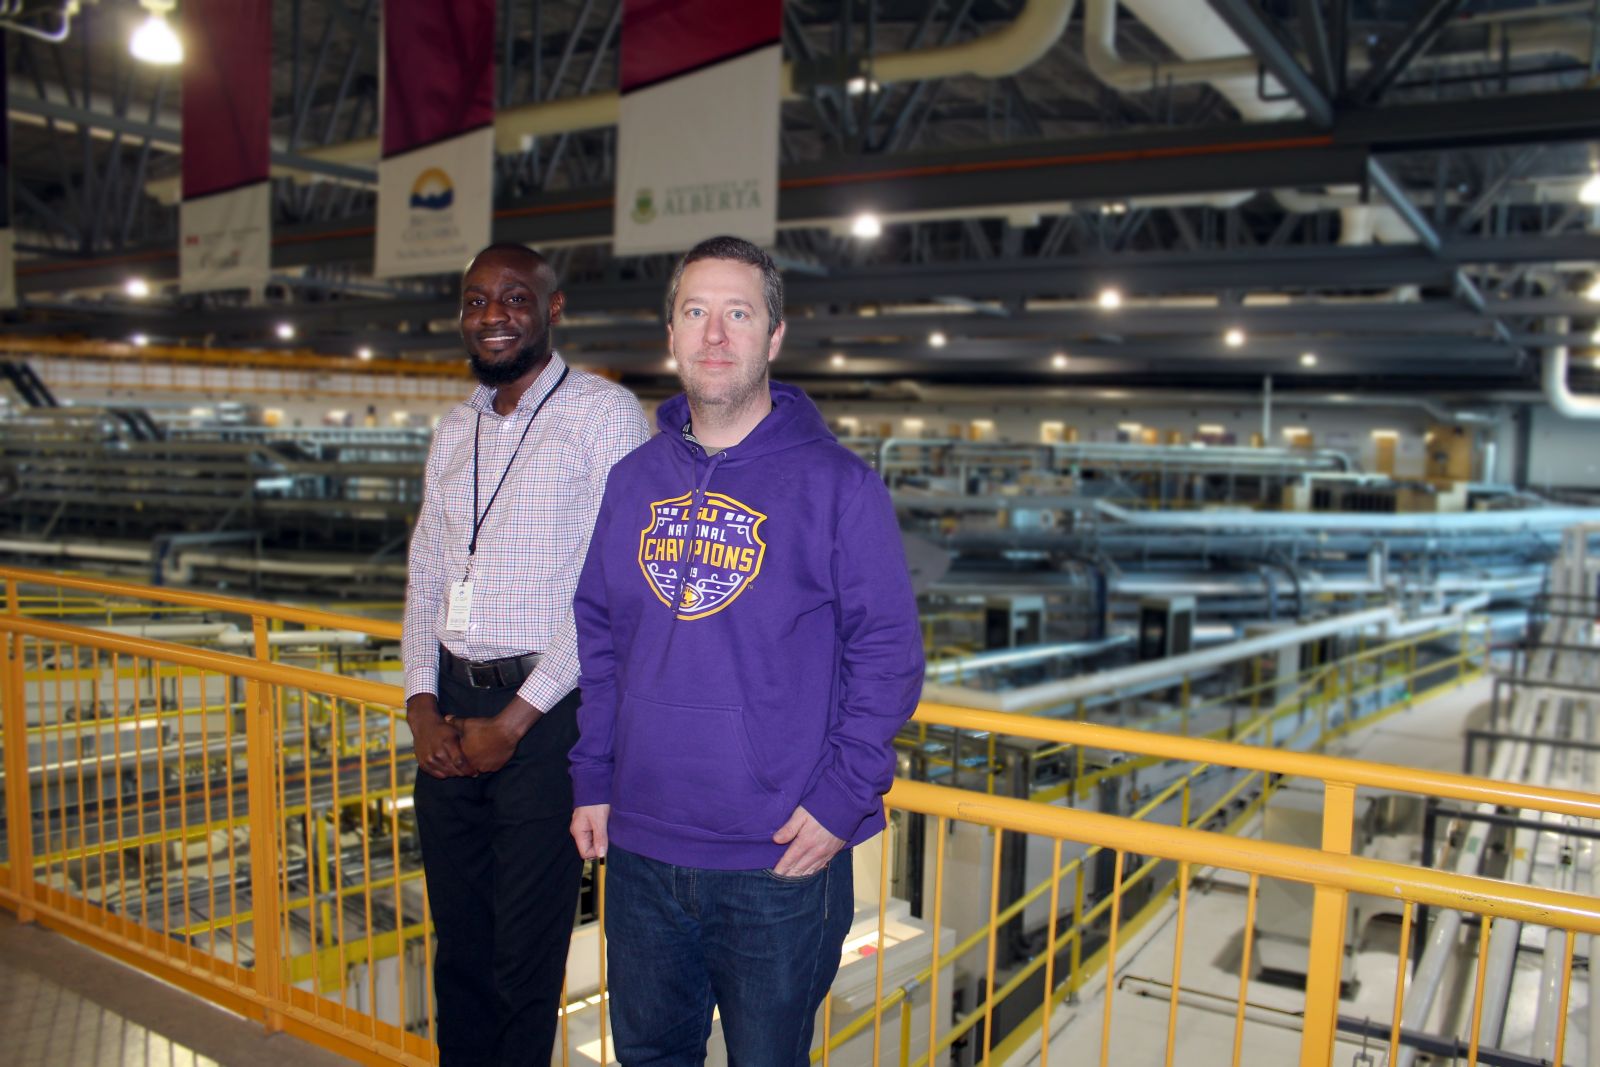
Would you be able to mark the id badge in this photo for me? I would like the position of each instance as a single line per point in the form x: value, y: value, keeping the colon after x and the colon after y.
x: 460, y: 606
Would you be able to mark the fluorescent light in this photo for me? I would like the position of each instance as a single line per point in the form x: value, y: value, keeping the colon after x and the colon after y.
x: 154, y: 41
x: 140, y: 340
x: 866, y: 226
x: 911, y: 424
x: 1594, y: 338
x: 1129, y: 427
x: 1210, y: 428
x: 1593, y: 292
x: 136, y: 287
x: 285, y: 331
x: 1059, y: 361
x: 672, y: 364
x: 1590, y: 193
x: 1110, y: 298
x: 1391, y: 434
x: 1308, y: 359
x: 837, y: 359
x: 937, y: 339
x: 1234, y: 338
x: 363, y: 352
x: 858, y: 85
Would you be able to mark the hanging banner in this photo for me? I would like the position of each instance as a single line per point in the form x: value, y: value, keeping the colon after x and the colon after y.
x: 697, y: 137
x: 225, y: 220
x: 436, y: 178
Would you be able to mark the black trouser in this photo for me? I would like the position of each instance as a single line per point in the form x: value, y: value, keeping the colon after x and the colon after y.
x: 502, y: 875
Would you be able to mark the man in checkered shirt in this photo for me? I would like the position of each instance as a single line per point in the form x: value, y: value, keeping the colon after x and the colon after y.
x: 513, y: 481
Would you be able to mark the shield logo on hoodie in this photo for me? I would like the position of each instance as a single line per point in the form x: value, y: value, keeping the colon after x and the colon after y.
x: 701, y: 562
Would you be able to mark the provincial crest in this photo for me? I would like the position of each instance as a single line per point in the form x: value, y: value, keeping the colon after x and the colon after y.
x: 699, y: 560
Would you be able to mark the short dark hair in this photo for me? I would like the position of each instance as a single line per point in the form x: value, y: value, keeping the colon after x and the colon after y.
x: 535, y: 260
x: 740, y: 251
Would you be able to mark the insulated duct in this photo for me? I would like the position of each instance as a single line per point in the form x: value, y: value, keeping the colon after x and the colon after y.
x: 1560, y: 396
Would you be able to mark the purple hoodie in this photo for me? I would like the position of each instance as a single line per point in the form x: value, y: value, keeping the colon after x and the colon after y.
x: 792, y: 660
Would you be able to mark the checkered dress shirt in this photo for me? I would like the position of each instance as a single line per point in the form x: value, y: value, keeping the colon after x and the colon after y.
x: 533, y: 540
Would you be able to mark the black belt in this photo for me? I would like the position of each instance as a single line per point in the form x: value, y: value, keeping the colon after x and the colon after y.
x: 505, y: 673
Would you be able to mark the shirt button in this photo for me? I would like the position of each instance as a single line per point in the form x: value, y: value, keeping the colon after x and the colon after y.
x: 504, y: 426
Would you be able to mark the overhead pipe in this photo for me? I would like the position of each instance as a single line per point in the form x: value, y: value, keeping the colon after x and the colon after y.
x: 1557, y: 392
x: 1070, y: 689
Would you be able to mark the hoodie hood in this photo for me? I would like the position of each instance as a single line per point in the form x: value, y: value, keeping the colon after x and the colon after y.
x: 793, y: 421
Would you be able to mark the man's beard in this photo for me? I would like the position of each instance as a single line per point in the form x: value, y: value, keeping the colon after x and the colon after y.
x: 734, y: 396
x: 507, y: 371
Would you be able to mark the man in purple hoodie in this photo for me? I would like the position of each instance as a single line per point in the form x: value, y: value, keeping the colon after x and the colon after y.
x: 749, y: 647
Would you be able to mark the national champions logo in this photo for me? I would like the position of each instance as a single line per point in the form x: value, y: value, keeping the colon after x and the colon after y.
x: 700, y: 563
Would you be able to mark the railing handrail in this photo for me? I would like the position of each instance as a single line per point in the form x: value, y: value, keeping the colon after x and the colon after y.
x: 1271, y: 859
x: 385, y: 694
x: 215, y: 602
x: 1261, y: 758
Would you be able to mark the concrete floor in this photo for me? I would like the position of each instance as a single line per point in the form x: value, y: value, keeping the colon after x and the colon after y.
x: 63, y: 1005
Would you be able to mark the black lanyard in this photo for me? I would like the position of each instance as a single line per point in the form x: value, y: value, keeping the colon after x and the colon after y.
x: 477, y: 519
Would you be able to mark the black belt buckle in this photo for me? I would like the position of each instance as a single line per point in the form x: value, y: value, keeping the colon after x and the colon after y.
x: 484, y: 675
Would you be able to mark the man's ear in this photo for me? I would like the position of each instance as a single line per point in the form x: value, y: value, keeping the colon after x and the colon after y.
x: 776, y: 342
x: 558, y: 301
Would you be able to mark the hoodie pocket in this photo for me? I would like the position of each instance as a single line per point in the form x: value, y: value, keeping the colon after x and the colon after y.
x: 693, y: 766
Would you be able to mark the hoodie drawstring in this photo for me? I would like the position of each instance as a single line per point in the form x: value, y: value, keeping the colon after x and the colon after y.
x: 696, y: 500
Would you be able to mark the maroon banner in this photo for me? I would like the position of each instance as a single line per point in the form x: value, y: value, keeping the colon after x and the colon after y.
x: 438, y: 70
x: 227, y: 94
x: 662, y: 39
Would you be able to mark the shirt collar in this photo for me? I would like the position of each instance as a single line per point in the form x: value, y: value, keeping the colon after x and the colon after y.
x: 482, y: 398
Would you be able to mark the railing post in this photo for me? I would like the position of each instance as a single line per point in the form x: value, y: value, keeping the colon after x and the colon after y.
x: 19, y: 815
x: 1329, y: 912
x: 262, y: 764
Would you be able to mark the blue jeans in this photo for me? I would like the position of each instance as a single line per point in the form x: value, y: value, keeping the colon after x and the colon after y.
x: 762, y: 948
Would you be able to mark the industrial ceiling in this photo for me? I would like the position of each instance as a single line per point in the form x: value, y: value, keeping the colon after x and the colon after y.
x: 1377, y: 195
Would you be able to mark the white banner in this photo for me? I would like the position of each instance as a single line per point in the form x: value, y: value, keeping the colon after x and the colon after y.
x: 8, y: 268
x: 697, y: 156
x: 226, y: 239
x: 435, y: 206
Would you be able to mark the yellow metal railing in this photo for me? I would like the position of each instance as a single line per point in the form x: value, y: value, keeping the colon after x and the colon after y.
x: 241, y: 827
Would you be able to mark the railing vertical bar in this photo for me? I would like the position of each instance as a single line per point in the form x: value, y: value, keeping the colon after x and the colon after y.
x: 399, y: 896
x: 264, y: 909
x: 885, y: 844
x: 1328, y: 915
x: 1177, y: 958
x: 138, y: 804
x: 183, y: 821
x: 335, y: 857
x: 316, y: 888
x: 367, y: 821
x: 161, y: 794
x: 1568, y: 940
x: 100, y: 774
x: 229, y: 718
x: 940, y: 829
x: 19, y: 809
x: 427, y: 975
x: 1050, y: 952
x: 83, y: 823
x: 994, y: 937
x: 47, y: 841
x: 1407, y: 916
x: 1111, y: 957
x: 279, y: 764
x: 1486, y: 923
x: 1244, y: 964
x: 211, y: 816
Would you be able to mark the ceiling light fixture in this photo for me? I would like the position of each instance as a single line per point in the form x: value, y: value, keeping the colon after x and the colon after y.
x: 1308, y: 359
x: 139, y: 340
x: 858, y: 85
x: 1110, y: 298
x: 1059, y: 361
x: 837, y: 359
x: 1593, y: 292
x: 363, y: 353
x: 1234, y: 338
x: 137, y: 288
x: 285, y: 331
x: 672, y: 364
x: 937, y: 339
x: 154, y: 41
x: 866, y: 226
x: 1590, y: 193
